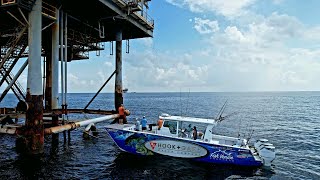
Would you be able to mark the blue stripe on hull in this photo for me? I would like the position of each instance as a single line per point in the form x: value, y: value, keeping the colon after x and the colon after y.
x: 144, y: 144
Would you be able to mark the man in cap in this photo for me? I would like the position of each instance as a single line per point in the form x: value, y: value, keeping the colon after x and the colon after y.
x: 144, y: 123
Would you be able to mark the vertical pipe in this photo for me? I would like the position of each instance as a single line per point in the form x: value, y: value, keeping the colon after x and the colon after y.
x: 62, y: 69
x: 55, y: 63
x: 65, y: 73
x: 34, y: 130
x: 61, y: 58
x: 118, y: 79
x: 44, y: 76
x: 65, y: 57
x: 47, y: 66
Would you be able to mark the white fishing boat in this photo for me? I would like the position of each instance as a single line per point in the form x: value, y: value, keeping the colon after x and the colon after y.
x: 175, y: 140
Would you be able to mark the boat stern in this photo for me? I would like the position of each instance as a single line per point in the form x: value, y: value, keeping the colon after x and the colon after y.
x: 266, y: 151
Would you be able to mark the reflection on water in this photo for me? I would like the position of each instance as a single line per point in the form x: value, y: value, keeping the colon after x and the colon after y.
x: 166, y: 168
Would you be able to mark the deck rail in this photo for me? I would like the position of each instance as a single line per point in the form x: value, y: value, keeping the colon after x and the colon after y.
x: 137, y: 8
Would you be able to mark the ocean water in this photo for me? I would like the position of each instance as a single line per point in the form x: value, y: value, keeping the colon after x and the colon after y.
x: 289, y: 120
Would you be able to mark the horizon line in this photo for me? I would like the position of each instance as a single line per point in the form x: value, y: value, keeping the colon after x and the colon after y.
x: 268, y: 91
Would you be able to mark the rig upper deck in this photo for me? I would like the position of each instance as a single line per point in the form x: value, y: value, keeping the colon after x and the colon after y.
x: 96, y: 19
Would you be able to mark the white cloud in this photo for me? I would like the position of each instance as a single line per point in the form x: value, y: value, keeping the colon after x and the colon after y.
x: 75, y: 81
x: 262, y: 50
x: 231, y: 9
x: 147, y: 42
x: 108, y: 64
x: 234, y: 34
x: 205, y: 26
x: 156, y: 71
x: 257, y: 56
x: 312, y: 33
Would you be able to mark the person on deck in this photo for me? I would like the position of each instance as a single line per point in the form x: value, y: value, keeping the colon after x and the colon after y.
x: 137, y: 125
x: 122, y: 118
x: 195, y: 133
x: 189, y: 130
x: 160, y: 122
x: 144, y: 123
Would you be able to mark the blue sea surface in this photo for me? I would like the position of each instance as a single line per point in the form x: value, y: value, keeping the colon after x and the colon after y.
x: 289, y: 120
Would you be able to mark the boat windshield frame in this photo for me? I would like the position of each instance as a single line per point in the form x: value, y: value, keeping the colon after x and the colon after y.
x: 188, y: 119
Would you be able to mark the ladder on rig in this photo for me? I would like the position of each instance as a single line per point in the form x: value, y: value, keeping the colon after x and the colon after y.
x: 14, y: 49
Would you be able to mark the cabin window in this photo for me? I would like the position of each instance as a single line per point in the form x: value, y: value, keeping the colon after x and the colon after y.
x: 172, y: 125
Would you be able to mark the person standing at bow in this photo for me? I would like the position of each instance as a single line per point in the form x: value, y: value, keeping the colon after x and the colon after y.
x: 137, y: 125
x: 122, y: 114
x: 144, y: 123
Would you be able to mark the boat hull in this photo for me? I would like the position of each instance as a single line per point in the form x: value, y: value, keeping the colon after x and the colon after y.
x: 146, y: 144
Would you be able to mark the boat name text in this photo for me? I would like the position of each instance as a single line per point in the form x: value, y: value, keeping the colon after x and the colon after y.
x: 221, y: 155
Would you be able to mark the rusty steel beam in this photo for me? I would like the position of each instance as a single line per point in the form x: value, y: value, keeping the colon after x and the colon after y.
x: 92, y: 111
x: 55, y: 63
x: 88, y: 111
x: 34, y: 130
x: 71, y: 126
x: 118, y: 81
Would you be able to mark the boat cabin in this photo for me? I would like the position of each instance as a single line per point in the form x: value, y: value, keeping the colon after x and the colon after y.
x: 182, y: 127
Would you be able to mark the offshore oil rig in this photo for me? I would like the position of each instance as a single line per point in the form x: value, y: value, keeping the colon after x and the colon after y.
x: 54, y: 33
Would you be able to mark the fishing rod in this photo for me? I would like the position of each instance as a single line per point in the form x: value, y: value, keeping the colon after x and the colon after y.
x: 219, y: 117
x: 180, y: 104
x: 239, y: 128
x: 250, y: 135
x: 188, y: 102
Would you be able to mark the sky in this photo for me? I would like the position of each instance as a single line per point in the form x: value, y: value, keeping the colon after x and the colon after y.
x: 215, y: 46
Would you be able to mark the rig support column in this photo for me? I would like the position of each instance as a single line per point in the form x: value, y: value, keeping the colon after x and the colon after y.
x: 55, y: 63
x: 34, y: 132
x: 47, y: 46
x: 118, y: 80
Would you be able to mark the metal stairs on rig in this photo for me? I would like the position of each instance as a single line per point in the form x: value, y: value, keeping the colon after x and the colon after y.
x: 14, y: 49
